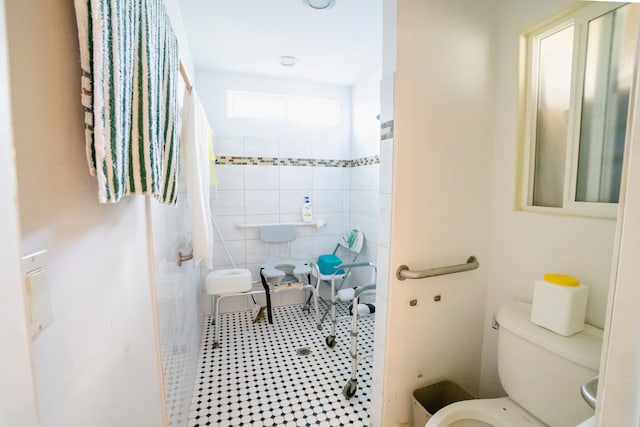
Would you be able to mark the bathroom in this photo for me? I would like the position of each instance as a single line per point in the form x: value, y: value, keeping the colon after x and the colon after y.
x: 100, y: 259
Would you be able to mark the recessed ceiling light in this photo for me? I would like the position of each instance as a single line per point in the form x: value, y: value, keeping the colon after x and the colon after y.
x: 319, y: 4
x: 288, y: 61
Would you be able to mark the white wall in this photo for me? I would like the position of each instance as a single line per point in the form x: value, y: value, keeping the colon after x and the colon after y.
x: 443, y: 152
x: 17, y: 394
x: 97, y: 363
x: 527, y: 245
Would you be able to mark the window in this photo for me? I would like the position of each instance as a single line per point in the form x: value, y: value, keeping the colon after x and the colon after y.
x: 578, y: 79
x: 295, y: 109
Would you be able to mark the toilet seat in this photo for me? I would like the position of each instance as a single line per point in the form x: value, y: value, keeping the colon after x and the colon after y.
x: 277, y: 269
x: 500, y: 412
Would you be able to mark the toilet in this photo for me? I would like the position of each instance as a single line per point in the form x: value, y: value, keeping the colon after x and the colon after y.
x: 541, y: 372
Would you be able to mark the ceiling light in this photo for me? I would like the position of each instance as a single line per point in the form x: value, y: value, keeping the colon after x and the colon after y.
x: 319, y: 4
x: 288, y: 61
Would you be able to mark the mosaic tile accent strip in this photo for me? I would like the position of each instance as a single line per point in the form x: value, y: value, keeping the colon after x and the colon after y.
x: 364, y: 161
x: 257, y: 379
x: 386, y: 130
x: 293, y: 161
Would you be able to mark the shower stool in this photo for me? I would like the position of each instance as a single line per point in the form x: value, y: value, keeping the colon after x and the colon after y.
x: 226, y: 283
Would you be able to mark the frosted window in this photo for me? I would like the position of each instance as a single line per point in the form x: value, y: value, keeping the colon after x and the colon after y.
x: 608, y: 74
x: 554, y: 98
x: 294, y: 109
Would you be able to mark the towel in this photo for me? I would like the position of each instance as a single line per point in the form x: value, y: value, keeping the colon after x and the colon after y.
x: 212, y: 161
x: 194, y: 154
x: 129, y: 60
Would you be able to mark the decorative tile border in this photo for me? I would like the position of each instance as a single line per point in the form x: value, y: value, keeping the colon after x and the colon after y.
x: 364, y: 161
x: 386, y: 130
x: 293, y: 161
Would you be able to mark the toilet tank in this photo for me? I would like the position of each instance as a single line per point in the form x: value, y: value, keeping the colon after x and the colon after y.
x: 543, y: 371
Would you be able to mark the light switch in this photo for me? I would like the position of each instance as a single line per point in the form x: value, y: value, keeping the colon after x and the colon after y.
x: 37, y: 292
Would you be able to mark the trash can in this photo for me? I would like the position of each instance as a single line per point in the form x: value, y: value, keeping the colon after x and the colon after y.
x: 428, y: 400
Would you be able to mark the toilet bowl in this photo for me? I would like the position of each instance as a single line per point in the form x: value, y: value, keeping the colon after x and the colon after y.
x: 541, y: 372
x: 501, y: 412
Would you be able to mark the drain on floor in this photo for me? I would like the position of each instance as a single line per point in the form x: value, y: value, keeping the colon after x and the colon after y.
x: 304, y: 351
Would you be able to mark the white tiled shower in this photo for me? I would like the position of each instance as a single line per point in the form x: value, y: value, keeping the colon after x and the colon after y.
x: 344, y: 194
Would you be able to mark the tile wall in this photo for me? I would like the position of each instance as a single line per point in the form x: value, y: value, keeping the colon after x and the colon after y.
x: 177, y: 292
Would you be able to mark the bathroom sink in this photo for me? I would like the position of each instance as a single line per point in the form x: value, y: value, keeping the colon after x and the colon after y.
x: 589, y: 392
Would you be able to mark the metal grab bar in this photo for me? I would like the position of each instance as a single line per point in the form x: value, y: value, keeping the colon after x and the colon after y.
x: 183, y: 258
x: 589, y: 392
x: 403, y: 271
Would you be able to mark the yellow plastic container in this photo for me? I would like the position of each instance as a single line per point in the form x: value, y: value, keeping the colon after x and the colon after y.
x: 559, y: 304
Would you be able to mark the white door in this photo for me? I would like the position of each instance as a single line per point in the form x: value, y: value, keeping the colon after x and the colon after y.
x: 441, y: 198
x: 619, y: 384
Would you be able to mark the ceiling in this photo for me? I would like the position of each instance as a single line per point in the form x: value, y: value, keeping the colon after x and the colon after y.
x: 338, y: 46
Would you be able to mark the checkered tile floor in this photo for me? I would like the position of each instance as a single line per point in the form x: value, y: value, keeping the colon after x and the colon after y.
x: 257, y: 378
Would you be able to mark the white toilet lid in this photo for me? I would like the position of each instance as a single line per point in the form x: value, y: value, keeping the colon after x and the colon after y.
x: 501, y: 412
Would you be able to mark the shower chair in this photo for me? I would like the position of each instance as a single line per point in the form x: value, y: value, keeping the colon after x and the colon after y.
x: 350, y: 388
x: 281, y: 273
x: 354, y: 296
x: 226, y: 283
x: 348, y: 248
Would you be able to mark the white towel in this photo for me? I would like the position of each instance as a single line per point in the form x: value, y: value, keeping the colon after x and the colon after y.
x: 194, y: 155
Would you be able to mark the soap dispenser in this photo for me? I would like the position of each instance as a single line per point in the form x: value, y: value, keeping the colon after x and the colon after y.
x: 307, y: 215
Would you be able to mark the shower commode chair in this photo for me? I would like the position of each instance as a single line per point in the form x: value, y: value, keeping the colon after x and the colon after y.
x: 348, y: 247
x: 353, y: 295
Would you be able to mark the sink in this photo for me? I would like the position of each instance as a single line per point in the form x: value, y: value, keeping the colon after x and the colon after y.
x: 589, y: 392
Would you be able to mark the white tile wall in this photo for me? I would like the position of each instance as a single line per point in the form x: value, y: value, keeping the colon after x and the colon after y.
x: 324, y: 149
x: 295, y: 178
x: 365, y: 202
x: 328, y: 178
x: 386, y: 159
x: 261, y: 202
x: 228, y: 228
x: 261, y: 178
x: 236, y: 250
x: 260, y: 147
x: 290, y: 146
x: 291, y: 202
x: 228, y: 146
x: 230, y: 178
x: 178, y: 307
x: 327, y: 201
x: 302, y: 248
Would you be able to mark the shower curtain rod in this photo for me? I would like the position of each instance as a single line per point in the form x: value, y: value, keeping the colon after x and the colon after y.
x: 185, y: 77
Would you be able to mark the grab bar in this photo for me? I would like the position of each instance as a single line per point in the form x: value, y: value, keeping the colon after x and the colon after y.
x: 589, y: 391
x: 183, y: 258
x: 403, y: 271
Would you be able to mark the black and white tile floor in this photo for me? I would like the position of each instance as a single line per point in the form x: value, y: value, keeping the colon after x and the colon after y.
x: 256, y: 378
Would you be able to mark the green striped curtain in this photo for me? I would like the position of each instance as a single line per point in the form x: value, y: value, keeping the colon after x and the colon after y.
x: 129, y: 60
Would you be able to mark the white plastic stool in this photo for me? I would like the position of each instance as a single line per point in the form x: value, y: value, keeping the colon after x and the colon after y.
x: 223, y: 284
